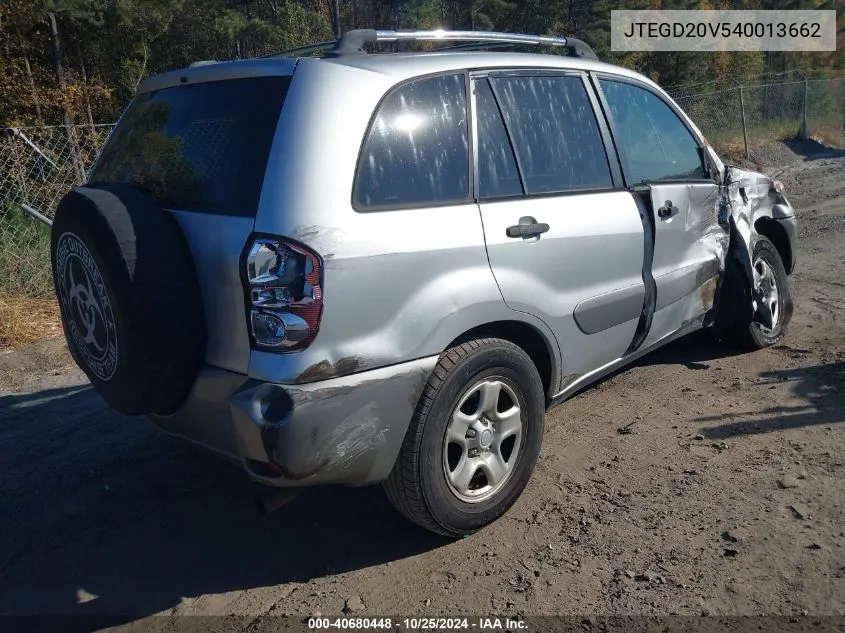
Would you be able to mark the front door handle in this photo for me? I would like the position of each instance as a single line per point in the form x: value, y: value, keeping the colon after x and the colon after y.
x: 527, y: 230
x: 667, y: 210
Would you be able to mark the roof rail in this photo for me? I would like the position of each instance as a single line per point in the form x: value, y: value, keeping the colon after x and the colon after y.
x: 353, y: 42
x: 308, y: 48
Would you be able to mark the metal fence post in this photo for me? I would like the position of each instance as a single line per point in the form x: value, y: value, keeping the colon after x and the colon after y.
x: 21, y: 178
x: 804, y: 133
x: 336, y: 20
x: 742, y: 118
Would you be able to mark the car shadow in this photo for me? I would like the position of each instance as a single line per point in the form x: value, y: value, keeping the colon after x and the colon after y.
x: 810, y: 149
x: 105, y: 515
x: 693, y: 351
x: 820, y: 389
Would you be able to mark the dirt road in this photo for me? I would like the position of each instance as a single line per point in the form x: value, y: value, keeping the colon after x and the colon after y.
x: 698, y: 481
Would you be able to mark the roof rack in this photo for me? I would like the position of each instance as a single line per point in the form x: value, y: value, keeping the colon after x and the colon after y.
x: 353, y: 42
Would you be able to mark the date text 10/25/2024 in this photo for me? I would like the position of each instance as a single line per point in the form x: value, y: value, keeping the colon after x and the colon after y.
x: 416, y: 624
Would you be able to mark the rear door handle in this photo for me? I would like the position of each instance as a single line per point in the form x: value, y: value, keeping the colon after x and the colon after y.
x: 527, y: 230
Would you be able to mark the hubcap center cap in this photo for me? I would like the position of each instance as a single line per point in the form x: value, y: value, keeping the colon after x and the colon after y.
x: 486, y: 438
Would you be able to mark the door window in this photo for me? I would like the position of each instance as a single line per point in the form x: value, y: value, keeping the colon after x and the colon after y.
x: 555, y: 133
x: 498, y: 175
x: 656, y: 144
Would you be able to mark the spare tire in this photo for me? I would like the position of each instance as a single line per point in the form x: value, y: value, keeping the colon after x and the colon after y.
x: 130, y: 302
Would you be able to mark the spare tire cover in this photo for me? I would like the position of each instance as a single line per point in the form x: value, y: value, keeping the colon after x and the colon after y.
x: 128, y: 295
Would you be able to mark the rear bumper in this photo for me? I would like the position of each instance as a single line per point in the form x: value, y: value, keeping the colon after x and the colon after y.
x: 345, y: 430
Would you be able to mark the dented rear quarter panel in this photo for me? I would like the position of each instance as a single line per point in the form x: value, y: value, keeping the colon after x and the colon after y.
x: 341, y: 430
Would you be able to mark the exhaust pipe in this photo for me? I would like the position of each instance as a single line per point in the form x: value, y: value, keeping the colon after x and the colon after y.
x: 267, y: 503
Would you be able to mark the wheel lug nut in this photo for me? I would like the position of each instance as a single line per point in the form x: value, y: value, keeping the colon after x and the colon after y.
x: 473, y: 452
x: 471, y: 433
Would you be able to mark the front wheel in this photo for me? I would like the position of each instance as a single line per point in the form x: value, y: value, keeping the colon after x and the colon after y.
x: 774, y: 300
x: 474, y: 439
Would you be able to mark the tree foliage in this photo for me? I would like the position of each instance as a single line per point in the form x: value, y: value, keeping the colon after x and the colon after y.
x: 81, y: 61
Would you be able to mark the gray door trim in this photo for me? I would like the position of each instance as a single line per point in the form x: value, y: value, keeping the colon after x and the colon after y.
x: 611, y: 308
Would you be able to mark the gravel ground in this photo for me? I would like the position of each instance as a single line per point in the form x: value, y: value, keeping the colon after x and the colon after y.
x: 699, y: 481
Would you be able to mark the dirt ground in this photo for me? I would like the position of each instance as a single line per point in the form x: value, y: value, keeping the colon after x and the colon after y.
x: 699, y: 481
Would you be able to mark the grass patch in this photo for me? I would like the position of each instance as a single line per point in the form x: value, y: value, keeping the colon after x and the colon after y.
x: 830, y: 135
x: 24, y: 320
x: 730, y: 140
x: 24, y: 256
x: 28, y: 308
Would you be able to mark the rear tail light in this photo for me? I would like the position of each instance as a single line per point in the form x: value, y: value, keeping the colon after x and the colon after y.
x: 284, y: 293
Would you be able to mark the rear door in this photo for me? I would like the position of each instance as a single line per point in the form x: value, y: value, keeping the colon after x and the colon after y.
x: 664, y: 167
x: 564, y: 239
x: 199, y: 145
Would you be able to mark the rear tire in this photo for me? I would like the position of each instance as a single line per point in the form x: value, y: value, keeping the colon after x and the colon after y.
x: 474, y: 439
x: 773, y: 290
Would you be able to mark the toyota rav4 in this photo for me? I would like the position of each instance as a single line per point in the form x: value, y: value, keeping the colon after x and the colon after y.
x: 359, y: 268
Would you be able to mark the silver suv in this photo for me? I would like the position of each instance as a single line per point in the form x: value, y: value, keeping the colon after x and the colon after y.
x: 363, y: 268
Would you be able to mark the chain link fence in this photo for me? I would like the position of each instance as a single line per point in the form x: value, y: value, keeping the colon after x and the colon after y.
x: 738, y: 118
x: 39, y: 165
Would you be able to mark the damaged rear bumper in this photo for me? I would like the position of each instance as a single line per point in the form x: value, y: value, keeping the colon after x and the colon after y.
x: 345, y: 430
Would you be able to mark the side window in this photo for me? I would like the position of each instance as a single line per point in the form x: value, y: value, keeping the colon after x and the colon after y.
x: 555, y: 133
x: 656, y: 144
x: 497, y: 172
x: 417, y: 149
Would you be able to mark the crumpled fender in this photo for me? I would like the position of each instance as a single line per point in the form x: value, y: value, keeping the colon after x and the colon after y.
x: 759, y: 194
x: 745, y: 196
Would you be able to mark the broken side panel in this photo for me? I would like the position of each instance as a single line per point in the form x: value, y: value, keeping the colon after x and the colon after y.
x: 747, y: 196
x: 689, y: 253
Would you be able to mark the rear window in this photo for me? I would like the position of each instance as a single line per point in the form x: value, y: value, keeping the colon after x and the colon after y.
x: 198, y: 147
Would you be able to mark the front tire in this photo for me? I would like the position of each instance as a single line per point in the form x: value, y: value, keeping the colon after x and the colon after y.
x: 474, y: 439
x: 773, y: 297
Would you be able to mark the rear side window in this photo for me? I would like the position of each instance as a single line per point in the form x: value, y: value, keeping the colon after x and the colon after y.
x: 654, y: 141
x: 198, y: 147
x: 555, y: 133
x: 416, y: 152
